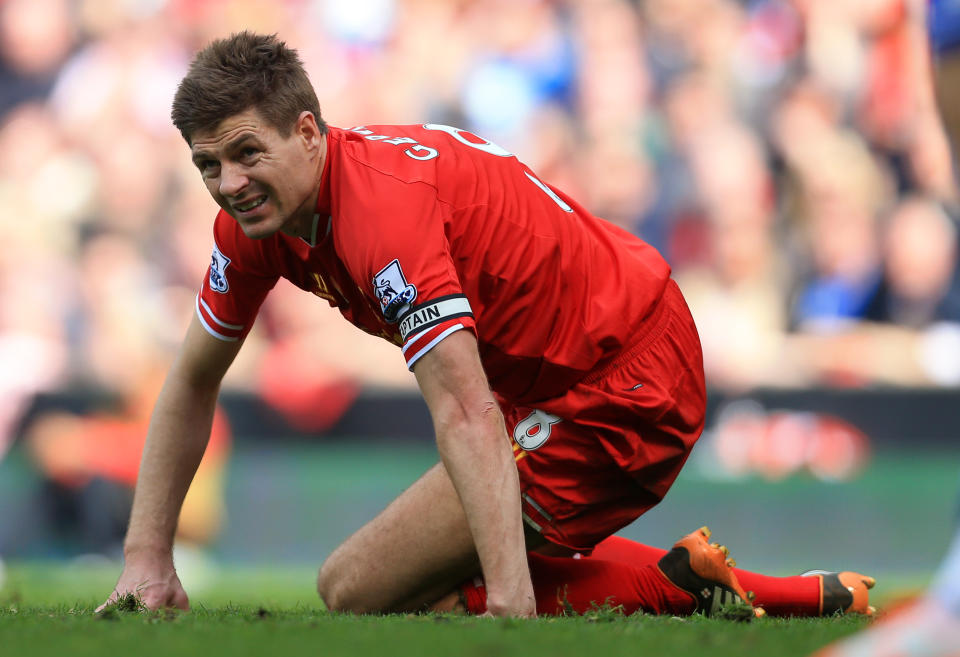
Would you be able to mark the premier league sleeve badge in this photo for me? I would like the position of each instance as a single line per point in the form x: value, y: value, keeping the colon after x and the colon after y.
x: 218, y: 271
x: 396, y: 296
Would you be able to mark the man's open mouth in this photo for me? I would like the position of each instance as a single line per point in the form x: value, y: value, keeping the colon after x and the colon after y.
x: 251, y: 205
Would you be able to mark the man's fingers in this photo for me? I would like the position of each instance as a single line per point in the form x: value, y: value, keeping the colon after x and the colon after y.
x: 180, y: 600
x: 151, y: 600
x: 165, y: 597
x: 154, y: 600
x: 151, y: 592
x: 109, y: 601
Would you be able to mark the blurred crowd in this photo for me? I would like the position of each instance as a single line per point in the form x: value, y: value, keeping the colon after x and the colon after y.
x: 786, y: 156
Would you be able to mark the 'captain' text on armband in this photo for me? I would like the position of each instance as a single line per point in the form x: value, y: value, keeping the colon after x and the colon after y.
x: 434, y: 312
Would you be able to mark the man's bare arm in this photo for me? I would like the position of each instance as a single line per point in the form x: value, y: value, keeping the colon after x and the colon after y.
x: 475, y: 449
x: 176, y: 440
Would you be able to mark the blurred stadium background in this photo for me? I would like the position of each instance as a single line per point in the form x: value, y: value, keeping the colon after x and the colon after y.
x: 785, y: 155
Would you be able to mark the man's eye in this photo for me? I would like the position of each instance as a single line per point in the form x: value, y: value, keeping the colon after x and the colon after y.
x: 207, y: 165
x: 249, y: 151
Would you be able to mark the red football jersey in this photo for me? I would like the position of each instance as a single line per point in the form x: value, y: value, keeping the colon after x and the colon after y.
x: 424, y: 230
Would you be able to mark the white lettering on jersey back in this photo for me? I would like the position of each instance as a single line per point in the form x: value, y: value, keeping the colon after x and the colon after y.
x: 417, y: 151
x: 481, y: 144
x: 218, y: 271
x: 532, y: 431
x: 433, y: 313
x: 549, y: 192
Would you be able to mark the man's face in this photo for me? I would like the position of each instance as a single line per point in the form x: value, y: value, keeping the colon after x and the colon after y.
x: 266, y: 181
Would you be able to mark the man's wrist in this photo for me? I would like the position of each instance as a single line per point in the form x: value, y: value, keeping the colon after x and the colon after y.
x: 149, y: 551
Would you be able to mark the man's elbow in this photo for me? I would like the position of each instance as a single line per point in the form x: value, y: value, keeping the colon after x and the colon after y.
x: 490, y: 410
x: 477, y: 424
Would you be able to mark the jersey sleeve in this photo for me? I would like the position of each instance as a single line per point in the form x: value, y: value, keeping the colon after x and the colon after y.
x: 234, y: 287
x: 399, y: 254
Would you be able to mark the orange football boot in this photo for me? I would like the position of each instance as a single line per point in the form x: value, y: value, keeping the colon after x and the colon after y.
x: 705, y: 571
x: 844, y: 592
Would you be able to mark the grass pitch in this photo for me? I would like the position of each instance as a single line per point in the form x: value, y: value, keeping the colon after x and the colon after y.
x: 275, y: 612
x: 256, y: 630
x: 895, y: 520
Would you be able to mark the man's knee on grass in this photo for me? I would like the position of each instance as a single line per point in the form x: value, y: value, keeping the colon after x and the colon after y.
x: 345, y: 584
x: 336, y: 594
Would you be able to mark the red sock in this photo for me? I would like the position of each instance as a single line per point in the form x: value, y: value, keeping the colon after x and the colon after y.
x: 563, y: 584
x: 779, y: 596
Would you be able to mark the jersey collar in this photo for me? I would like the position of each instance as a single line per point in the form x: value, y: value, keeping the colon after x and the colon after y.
x: 317, y: 234
x: 333, y: 150
x: 313, y: 230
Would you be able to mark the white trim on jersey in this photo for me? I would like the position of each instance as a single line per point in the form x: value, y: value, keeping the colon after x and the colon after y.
x: 210, y: 329
x: 539, y: 508
x: 430, y: 345
x: 313, y: 231
x: 236, y: 327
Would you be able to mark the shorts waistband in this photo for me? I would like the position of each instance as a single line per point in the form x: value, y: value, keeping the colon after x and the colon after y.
x: 653, y: 325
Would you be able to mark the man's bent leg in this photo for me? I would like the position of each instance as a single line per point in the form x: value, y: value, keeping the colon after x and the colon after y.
x: 415, y: 551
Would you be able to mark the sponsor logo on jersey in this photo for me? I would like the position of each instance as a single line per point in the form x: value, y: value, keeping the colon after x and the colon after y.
x: 218, y: 271
x: 432, y: 313
x: 532, y: 431
x: 396, y: 296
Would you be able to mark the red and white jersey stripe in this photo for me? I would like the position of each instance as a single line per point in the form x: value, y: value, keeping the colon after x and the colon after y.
x: 217, y: 327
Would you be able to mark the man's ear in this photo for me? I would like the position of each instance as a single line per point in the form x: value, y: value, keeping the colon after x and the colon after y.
x: 308, y: 130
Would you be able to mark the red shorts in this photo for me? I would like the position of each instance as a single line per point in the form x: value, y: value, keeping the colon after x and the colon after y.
x: 593, y: 460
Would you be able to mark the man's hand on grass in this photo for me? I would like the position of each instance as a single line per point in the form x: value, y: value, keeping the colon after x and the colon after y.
x: 519, y: 601
x: 153, y: 582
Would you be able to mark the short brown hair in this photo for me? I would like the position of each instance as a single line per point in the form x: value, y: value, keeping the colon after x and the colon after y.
x: 244, y: 71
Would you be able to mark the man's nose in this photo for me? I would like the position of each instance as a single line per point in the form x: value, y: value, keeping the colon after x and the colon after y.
x: 232, y: 180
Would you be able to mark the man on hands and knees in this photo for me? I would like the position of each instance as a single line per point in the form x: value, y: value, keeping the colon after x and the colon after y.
x: 559, y: 361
